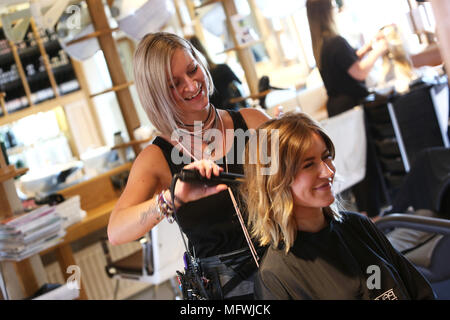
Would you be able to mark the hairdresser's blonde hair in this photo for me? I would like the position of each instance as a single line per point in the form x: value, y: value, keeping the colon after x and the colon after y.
x: 269, y: 197
x: 152, y: 70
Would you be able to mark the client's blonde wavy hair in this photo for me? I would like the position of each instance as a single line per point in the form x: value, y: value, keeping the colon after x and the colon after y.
x: 268, y: 197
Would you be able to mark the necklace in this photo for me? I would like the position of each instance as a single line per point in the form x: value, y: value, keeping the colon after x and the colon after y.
x: 204, y: 135
x: 203, y: 127
x: 207, y: 138
x: 233, y: 199
x: 203, y: 122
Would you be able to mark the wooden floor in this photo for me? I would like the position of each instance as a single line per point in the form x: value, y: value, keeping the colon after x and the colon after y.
x: 162, y: 292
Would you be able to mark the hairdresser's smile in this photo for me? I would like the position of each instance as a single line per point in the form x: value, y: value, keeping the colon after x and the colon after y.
x: 196, y: 95
x: 188, y: 84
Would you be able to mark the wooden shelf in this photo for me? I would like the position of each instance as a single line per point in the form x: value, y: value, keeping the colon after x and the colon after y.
x: 253, y: 96
x: 115, y: 88
x: 37, y: 81
x: 207, y: 3
x: 11, y: 173
x: 244, y: 46
x: 30, y: 54
x: 129, y: 144
x: 42, y: 107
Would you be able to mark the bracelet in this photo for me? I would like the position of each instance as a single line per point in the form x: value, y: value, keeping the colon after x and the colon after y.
x: 164, y: 208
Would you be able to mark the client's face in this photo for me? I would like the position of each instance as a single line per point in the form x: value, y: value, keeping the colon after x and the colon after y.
x: 312, y: 184
x: 189, y: 87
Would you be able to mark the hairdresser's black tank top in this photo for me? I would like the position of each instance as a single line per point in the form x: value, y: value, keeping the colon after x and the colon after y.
x: 211, y: 224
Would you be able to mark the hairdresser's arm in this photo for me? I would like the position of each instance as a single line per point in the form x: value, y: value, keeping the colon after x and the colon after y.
x: 361, y: 68
x: 136, y: 211
x: 254, y: 117
x: 361, y: 52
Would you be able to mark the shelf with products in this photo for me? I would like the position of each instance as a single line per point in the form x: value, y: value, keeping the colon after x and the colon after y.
x: 28, y: 54
x: 42, y: 107
x: 38, y: 81
x: 34, y: 70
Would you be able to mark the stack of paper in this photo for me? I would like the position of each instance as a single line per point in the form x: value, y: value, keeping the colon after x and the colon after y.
x: 64, y: 292
x: 70, y: 211
x: 27, y: 234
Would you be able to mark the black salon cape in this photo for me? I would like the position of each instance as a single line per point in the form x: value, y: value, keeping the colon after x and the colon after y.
x: 346, y: 260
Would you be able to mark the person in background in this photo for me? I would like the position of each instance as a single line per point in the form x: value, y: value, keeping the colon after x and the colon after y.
x: 343, y: 71
x: 174, y: 86
x: 225, y: 81
x: 315, y: 251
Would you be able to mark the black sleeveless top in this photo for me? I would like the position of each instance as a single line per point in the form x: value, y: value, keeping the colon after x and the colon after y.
x: 211, y: 223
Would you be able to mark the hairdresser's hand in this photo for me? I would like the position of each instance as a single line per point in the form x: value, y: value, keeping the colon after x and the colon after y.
x: 381, y: 46
x: 379, y: 36
x: 187, y: 192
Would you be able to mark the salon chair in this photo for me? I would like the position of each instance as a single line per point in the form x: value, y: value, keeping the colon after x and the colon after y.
x: 417, y: 224
x: 158, y: 260
x: 420, y: 120
x: 264, y: 88
x: 435, y: 249
x: 235, y: 90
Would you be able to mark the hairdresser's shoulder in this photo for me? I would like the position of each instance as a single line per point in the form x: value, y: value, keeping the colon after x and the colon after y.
x: 254, y: 117
x: 150, y: 157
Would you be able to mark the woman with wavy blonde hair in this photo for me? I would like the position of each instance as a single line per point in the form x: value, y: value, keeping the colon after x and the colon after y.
x: 271, y: 207
x: 315, y: 251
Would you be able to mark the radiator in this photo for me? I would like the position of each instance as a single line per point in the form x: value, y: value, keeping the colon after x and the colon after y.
x: 97, y: 284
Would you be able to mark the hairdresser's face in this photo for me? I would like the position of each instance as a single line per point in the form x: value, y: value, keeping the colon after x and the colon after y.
x: 312, y: 184
x: 189, y: 87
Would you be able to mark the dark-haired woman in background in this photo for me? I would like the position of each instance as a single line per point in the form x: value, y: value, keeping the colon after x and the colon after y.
x: 343, y: 70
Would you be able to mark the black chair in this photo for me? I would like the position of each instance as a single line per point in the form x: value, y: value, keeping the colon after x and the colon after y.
x: 434, y: 234
x: 416, y: 124
x: 421, y: 232
x: 235, y: 90
x: 427, y: 184
x: 264, y: 85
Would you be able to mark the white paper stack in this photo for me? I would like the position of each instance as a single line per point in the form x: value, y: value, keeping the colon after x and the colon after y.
x: 64, y: 292
x: 70, y: 211
x: 27, y: 234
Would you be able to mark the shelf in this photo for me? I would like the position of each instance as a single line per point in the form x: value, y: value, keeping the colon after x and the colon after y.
x: 244, y: 46
x: 30, y: 54
x: 207, y: 3
x: 11, y: 173
x: 130, y: 143
x: 38, y: 81
x: 258, y: 95
x: 42, y: 107
x: 115, y: 88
